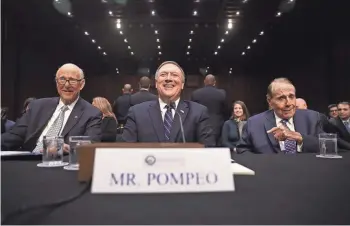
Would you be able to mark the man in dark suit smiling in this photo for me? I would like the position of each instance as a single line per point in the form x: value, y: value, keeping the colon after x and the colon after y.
x: 67, y: 115
x: 159, y: 121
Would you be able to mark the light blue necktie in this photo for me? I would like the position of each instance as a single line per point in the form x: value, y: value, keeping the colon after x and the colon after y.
x: 347, y: 126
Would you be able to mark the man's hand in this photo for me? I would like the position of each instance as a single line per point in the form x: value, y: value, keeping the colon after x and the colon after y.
x: 282, y: 133
x: 66, y: 148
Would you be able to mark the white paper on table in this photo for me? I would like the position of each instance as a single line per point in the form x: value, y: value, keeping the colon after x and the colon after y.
x: 238, y: 169
x: 15, y: 153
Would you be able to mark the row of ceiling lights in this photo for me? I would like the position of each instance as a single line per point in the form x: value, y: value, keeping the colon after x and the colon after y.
x: 261, y: 33
x: 195, y: 13
x: 70, y: 14
x: 156, y: 32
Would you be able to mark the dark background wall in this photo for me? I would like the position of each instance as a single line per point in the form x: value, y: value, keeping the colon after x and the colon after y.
x: 316, y: 57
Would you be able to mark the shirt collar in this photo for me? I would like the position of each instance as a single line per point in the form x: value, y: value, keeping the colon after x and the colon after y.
x: 162, y: 104
x: 345, y: 121
x: 278, y: 119
x: 70, y: 106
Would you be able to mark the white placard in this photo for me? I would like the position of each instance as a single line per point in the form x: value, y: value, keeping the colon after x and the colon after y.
x: 154, y: 170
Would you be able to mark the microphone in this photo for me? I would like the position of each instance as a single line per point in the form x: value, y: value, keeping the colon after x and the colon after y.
x: 172, y: 106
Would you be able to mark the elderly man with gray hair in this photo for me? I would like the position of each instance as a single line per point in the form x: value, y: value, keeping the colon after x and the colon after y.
x: 66, y: 115
x: 169, y: 118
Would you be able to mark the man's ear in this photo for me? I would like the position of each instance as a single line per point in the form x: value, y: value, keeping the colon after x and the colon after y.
x: 183, y: 85
x: 82, y: 84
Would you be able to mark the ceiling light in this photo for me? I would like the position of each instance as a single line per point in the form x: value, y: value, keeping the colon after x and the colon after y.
x: 104, y: 1
x: 104, y: 53
x: 230, y: 72
x: 291, y: 0
x: 188, y: 53
x: 231, y: 69
x: 219, y: 47
x: 237, y: 13
x: 69, y: 14
x: 189, y: 47
x: 132, y: 53
x: 195, y: 13
x: 244, y: 1
x: 196, y: 0
x: 86, y: 33
x: 125, y: 40
x: 93, y: 40
x: 243, y: 53
x: 248, y: 47
x: 118, y: 26
x: 98, y: 47
x: 190, y: 40
x: 118, y: 20
x: 226, y: 33
x: 222, y: 40
x: 206, y: 71
x: 121, y: 32
x: 230, y: 20
x: 254, y: 41
x: 229, y: 25
x: 216, y: 53
x: 278, y: 14
x: 110, y: 13
x: 160, y: 53
x: 157, y: 39
x: 116, y: 69
x: 207, y: 67
x: 156, y: 32
x: 158, y: 47
x: 129, y: 47
x: 261, y: 33
x: 153, y: 12
x: 191, y: 32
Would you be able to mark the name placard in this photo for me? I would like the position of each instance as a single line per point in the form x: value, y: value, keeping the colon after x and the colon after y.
x: 146, y: 170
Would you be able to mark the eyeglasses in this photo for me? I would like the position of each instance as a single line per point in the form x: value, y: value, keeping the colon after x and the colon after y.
x: 71, y: 81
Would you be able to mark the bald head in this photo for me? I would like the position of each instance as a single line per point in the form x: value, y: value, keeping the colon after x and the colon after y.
x: 71, y: 67
x: 145, y: 82
x: 301, y: 103
x: 127, y: 88
x: 209, y: 80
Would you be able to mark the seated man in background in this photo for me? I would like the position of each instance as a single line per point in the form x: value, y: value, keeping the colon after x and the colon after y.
x: 283, y: 128
x: 332, y: 111
x: 342, y: 124
x: 300, y: 103
x: 159, y: 121
x: 67, y: 115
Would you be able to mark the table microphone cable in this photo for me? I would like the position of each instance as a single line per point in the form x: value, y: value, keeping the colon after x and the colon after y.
x: 25, y: 209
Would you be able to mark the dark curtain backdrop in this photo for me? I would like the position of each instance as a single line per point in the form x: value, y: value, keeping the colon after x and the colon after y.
x: 30, y: 61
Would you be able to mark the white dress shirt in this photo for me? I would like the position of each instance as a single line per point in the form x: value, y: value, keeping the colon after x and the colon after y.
x: 290, y: 124
x: 55, y: 115
x: 163, y: 109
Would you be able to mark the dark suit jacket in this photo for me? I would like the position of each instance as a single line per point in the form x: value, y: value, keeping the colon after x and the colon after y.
x: 121, y: 107
x: 343, y: 134
x: 142, y: 96
x: 145, y: 124
x: 109, y: 128
x: 84, y: 120
x: 256, y: 139
x: 215, y: 100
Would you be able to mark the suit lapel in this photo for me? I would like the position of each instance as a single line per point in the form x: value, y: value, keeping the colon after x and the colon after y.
x: 74, y: 117
x: 157, y: 122
x: 299, y: 124
x: 269, y: 124
x: 182, y: 109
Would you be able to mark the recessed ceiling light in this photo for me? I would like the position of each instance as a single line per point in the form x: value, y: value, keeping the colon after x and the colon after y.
x: 110, y: 13
x: 261, y: 33
x: 248, y: 47
x: 278, y: 14
x: 190, y: 40
x: 98, y: 47
x: 245, y: 1
x: 129, y: 47
x: 93, y: 40
x: 116, y: 69
x: 156, y: 32
x: 229, y: 25
x: 243, y: 53
x: 254, y: 41
x: 230, y: 72
x: 188, y: 53
x: 132, y: 53
x: 104, y: 53
x: 158, y: 47
x: 69, y: 14
x: 157, y: 39
x: 153, y: 12
x: 222, y: 40
x: 231, y: 69
x: 216, y: 53
x: 125, y: 40
x: 237, y: 13
x: 195, y: 13
x: 226, y: 33
x: 219, y: 47
x: 118, y: 26
x: 207, y: 67
x: 191, y: 32
x: 118, y: 20
x: 121, y: 32
x: 189, y: 47
x: 160, y: 53
x: 86, y: 33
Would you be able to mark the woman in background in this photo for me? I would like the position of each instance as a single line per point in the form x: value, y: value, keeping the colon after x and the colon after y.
x: 109, y: 122
x: 232, y: 129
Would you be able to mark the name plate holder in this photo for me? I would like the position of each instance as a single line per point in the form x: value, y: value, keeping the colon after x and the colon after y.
x: 86, y: 154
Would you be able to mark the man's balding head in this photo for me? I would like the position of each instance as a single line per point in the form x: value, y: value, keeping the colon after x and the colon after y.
x: 71, y: 67
x: 300, y: 103
x: 210, y: 80
x: 145, y: 82
x: 127, y: 88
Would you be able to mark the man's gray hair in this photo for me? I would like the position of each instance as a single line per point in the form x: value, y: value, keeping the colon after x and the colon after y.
x: 270, y: 88
x: 174, y: 63
x: 80, y: 71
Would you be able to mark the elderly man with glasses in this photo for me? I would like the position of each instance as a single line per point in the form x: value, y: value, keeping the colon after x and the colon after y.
x: 66, y: 115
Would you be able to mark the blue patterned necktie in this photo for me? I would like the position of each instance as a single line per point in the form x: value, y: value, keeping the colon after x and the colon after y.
x: 347, y: 125
x: 290, y: 146
x: 168, y: 121
x: 54, y: 129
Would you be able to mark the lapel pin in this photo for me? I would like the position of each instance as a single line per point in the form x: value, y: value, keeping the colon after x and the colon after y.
x: 182, y: 111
